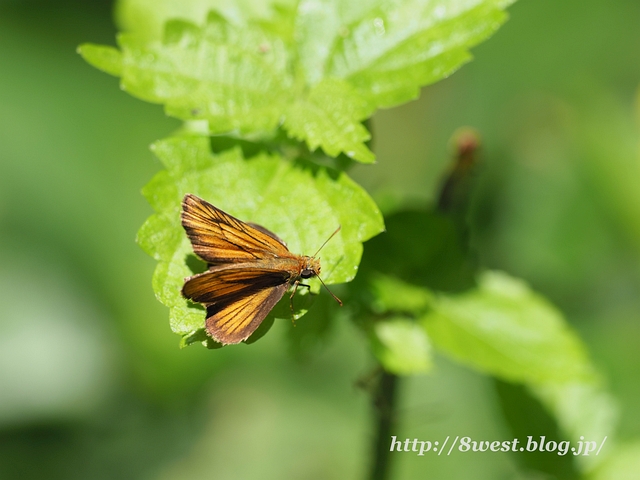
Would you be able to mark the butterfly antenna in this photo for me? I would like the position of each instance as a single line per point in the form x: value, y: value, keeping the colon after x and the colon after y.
x: 327, y: 241
x: 325, y: 285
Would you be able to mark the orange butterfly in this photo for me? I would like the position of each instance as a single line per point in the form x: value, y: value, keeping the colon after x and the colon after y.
x: 250, y: 269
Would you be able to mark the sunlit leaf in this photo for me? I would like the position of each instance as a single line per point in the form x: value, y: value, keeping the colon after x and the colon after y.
x: 329, y: 117
x: 105, y: 58
x: 318, y: 70
x: 584, y: 411
x: 388, y: 49
x: 391, y: 294
x: 505, y: 329
x: 401, y: 346
x: 622, y: 463
x: 145, y: 18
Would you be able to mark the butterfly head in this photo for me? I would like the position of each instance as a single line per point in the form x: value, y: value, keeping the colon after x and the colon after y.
x: 310, y: 267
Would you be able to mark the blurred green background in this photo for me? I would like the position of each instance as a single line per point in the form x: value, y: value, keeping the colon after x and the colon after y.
x: 92, y: 383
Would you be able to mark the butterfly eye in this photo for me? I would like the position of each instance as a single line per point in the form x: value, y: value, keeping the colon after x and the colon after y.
x: 307, y: 273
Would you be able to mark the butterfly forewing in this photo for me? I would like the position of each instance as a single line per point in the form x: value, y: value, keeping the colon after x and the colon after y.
x: 219, y: 238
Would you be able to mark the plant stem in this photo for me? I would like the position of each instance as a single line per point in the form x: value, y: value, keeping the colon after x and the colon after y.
x: 384, y: 403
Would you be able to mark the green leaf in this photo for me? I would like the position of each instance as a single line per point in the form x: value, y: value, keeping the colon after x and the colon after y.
x: 505, y: 329
x: 401, y: 346
x: 393, y: 295
x: 107, y: 59
x: 236, y: 79
x: 623, y: 463
x: 329, y: 117
x: 584, y: 411
x: 389, y: 49
x: 146, y: 18
x: 317, y: 71
x: 525, y: 415
x: 301, y: 203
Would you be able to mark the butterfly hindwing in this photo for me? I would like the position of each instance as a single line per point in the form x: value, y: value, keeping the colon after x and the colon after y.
x: 236, y: 321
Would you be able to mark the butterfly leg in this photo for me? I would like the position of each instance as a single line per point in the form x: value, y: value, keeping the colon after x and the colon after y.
x: 295, y: 288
